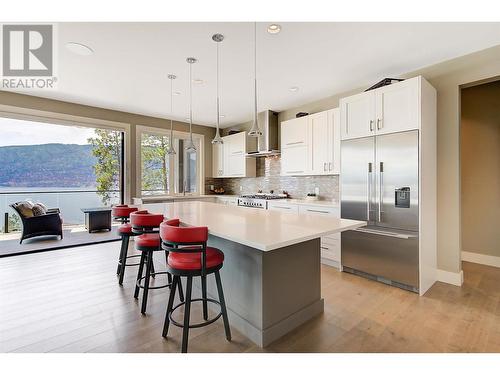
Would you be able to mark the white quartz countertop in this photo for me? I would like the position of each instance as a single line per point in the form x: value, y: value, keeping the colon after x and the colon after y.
x: 261, y: 229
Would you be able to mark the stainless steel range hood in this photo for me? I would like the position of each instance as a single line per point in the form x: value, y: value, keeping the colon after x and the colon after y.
x: 268, y: 142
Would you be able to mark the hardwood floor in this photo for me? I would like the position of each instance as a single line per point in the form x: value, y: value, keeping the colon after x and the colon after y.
x: 69, y: 301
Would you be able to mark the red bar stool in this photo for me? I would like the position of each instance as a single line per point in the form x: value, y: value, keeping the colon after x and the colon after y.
x: 121, y: 213
x: 146, y: 226
x: 189, y: 256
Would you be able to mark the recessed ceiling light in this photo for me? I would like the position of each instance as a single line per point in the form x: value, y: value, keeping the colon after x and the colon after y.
x: 177, y: 93
x: 79, y: 49
x: 274, y: 28
x: 197, y: 81
x: 293, y: 89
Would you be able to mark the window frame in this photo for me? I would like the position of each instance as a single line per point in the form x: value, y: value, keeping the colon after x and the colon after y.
x: 200, y: 167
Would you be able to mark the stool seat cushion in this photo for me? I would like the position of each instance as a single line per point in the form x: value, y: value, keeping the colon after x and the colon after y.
x: 145, y: 219
x: 125, y: 229
x: 192, y: 261
x: 148, y: 240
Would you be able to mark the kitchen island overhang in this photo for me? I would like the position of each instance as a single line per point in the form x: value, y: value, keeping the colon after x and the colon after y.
x: 271, y: 273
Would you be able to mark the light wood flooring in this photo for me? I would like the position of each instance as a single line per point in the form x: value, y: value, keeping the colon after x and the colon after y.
x: 69, y: 301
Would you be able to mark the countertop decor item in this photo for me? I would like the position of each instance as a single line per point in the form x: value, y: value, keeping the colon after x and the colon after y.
x: 312, y: 197
x: 384, y: 82
x: 301, y: 114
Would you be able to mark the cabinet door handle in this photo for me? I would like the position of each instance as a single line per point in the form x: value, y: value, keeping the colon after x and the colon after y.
x: 371, y: 125
x: 295, y: 171
x: 324, y: 248
x: 284, y: 208
x: 294, y: 143
x: 379, y: 124
x: 324, y: 167
x: 319, y: 211
x: 237, y: 152
x: 329, y: 166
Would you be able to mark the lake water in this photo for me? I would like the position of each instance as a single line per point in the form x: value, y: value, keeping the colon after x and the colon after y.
x: 69, y: 202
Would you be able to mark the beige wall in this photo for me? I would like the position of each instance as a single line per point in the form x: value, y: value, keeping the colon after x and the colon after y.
x: 55, y: 106
x: 480, y: 168
x: 446, y: 77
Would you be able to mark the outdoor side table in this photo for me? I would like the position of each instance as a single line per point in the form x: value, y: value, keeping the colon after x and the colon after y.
x: 97, y: 218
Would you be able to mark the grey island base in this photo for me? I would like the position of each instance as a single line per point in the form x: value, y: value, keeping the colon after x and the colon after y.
x: 271, y: 275
x: 268, y: 294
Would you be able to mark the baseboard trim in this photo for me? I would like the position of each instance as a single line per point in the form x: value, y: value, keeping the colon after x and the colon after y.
x: 453, y: 278
x: 487, y: 260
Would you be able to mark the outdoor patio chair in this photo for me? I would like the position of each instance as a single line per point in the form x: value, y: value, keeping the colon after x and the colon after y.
x: 47, y: 224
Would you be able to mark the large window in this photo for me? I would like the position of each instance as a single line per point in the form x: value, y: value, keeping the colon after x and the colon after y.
x: 68, y: 166
x: 162, y: 173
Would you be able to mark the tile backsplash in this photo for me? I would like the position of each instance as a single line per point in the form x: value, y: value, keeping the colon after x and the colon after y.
x: 268, y: 178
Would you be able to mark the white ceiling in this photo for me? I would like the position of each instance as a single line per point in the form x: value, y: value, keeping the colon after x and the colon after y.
x: 129, y: 68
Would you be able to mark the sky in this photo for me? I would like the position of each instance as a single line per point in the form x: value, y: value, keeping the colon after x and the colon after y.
x: 22, y: 132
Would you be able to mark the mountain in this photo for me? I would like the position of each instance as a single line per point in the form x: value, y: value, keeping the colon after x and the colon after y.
x: 47, y: 165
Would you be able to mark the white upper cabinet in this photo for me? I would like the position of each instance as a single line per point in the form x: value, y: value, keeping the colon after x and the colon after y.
x: 319, y: 130
x: 232, y: 152
x: 311, y: 144
x: 358, y: 115
x: 217, y: 160
x: 397, y: 107
x: 334, y: 141
x: 294, y: 132
x: 389, y: 109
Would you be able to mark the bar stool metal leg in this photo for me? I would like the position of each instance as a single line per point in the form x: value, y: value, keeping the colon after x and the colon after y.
x: 223, y: 305
x: 139, y: 274
x: 187, y: 312
x: 120, y: 257
x: 170, y: 305
x: 123, y: 260
x: 204, y: 296
x: 146, y: 282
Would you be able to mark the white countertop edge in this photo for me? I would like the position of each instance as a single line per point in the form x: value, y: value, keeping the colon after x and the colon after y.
x: 279, y: 245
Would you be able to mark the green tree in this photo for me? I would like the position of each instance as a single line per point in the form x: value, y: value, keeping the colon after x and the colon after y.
x: 106, y: 148
x: 154, y: 162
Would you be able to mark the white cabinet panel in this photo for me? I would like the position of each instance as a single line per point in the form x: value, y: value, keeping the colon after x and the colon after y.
x: 358, y: 115
x: 397, y: 107
x: 295, y: 161
x: 284, y: 207
x: 320, y: 210
x: 320, y: 143
x: 234, y: 163
x: 334, y: 141
x: 217, y: 160
x: 294, y: 132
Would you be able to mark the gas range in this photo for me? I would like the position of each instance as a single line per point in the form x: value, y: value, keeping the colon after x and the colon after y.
x: 258, y: 200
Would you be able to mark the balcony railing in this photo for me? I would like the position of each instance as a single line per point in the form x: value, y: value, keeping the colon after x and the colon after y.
x: 70, y: 202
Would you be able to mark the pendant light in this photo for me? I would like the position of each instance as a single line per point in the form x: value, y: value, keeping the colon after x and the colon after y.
x: 255, y: 131
x: 190, y: 146
x: 171, y: 150
x: 217, y: 38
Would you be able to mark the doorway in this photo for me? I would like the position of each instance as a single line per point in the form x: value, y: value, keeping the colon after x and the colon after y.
x: 480, y: 172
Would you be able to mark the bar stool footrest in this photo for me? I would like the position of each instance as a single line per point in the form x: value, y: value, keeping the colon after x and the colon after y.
x: 154, y: 287
x: 206, y: 323
x: 132, y: 264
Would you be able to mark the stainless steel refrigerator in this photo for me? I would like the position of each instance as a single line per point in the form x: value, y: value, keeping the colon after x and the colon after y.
x: 379, y: 184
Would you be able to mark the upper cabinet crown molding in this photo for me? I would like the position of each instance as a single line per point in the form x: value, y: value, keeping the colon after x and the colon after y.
x: 388, y: 109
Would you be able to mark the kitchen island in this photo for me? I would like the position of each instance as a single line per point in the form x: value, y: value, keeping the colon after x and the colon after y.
x: 271, y: 274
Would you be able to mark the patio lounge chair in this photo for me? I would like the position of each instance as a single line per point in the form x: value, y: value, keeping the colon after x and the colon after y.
x: 47, y: 224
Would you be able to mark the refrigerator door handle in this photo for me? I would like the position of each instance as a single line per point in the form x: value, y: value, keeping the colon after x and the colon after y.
x: 386, y: 233
x: 380, y: 192
x: 368, y: 191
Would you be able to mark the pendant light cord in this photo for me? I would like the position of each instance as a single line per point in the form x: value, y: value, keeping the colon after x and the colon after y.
x: 217, y: 79
x: 255, y: 71
x: 171, y: 110
x: 191, y: 103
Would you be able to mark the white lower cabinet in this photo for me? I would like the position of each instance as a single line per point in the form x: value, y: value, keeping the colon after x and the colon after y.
x: 231, y: 201
x: 330, y: 245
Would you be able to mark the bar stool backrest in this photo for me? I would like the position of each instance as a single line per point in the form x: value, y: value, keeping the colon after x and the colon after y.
x: 121, y: 212
x: 145, y: 222
x: 184, y: 239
